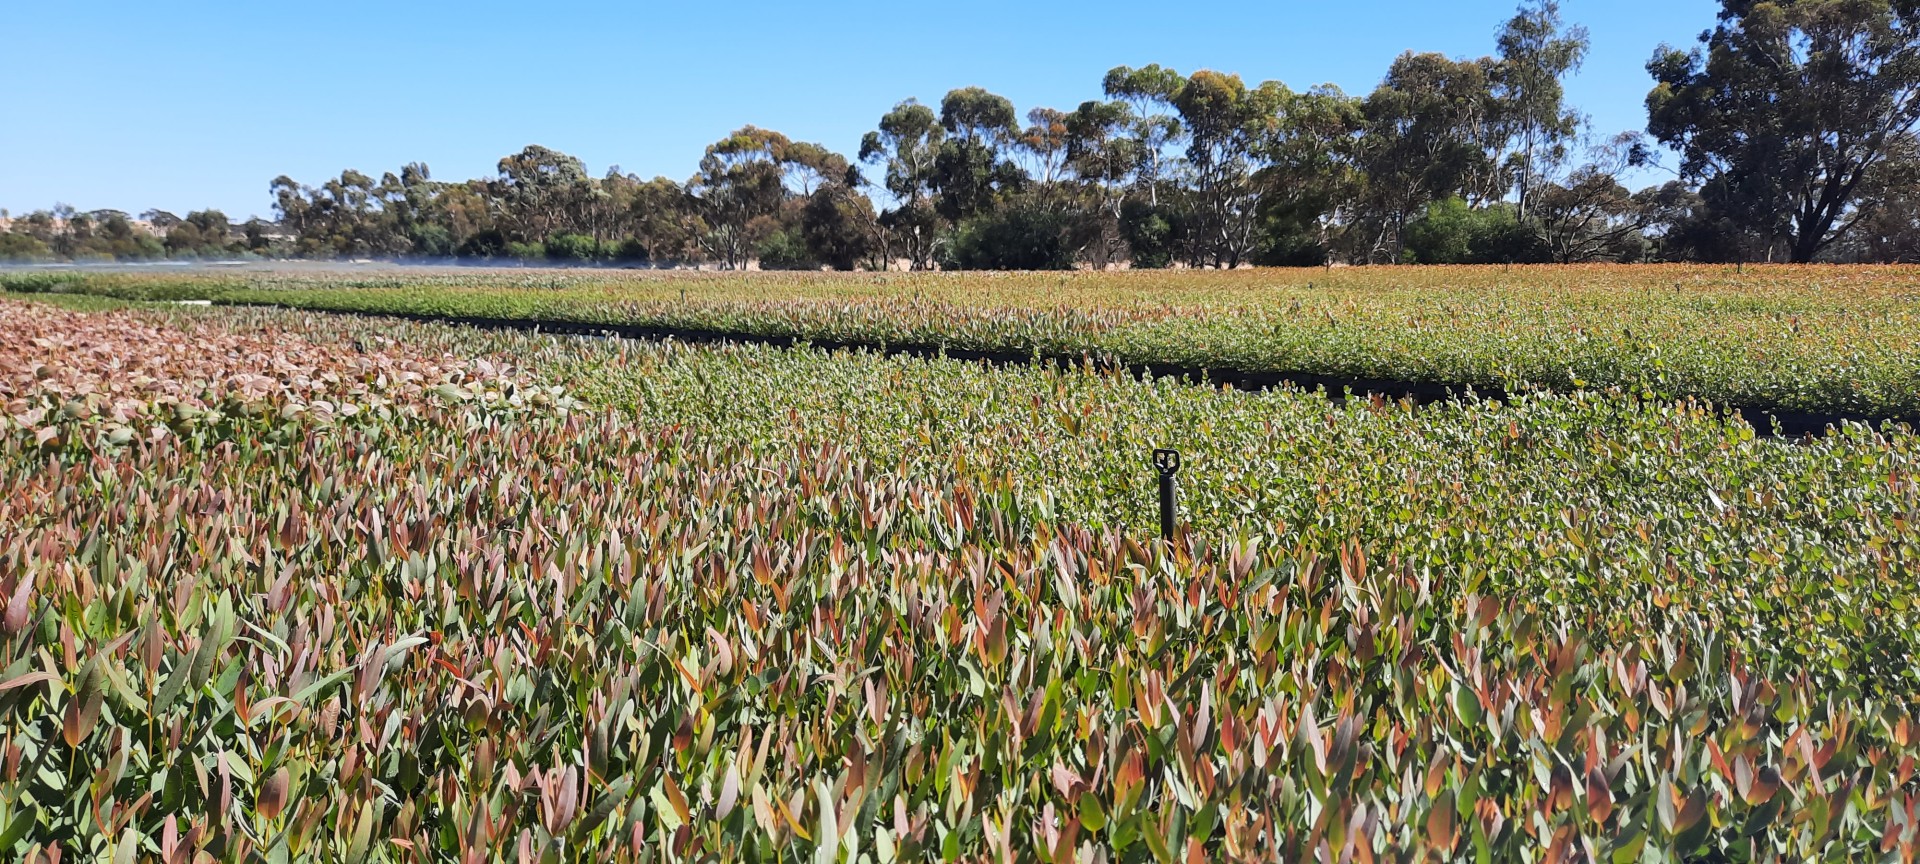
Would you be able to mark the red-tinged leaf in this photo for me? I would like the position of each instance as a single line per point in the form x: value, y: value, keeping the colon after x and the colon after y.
x: 271, y: 798
x: 1442, y: 826
x: 29, y: 678
x: 82, y: 714
x: 1069, y: 839
x: 1599, y: 795
x: 677, y: 798
x: 1064, y: 780
x: 1313, y: 739
x: 264, y: 707
x: 1824, y: 755
x: 1436, y: 773
x: 1560, y: 790
x: 1765, y: 784
x: 19, y: 604
x: 793, y: 824
x: 1691, y: 812
x: 567, y: 801
x: 1719, y: 760
x: 1742, y: 776
x: 170, y: 849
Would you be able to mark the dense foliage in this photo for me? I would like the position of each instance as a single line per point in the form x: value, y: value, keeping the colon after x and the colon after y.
x: 760, y: 604
x: 1821, y: 340
x: 65, y: 234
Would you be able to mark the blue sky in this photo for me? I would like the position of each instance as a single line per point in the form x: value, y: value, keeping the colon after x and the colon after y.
x: 188, y: 105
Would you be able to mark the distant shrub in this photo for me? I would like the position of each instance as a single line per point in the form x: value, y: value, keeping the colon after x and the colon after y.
x: 23, y: 248
x: 433, y: 241
x: 1151, y: 233
x: 632, y: 251
x: 785, y: 250
x: 527, y: 251
x: 572, y: 249
x: 1453, y: 232
x: 1021, y: 236
x: 484, y: 244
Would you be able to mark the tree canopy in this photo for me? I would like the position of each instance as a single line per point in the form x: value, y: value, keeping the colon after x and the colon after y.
x: 1787, y: 110
x: 1793, y: 123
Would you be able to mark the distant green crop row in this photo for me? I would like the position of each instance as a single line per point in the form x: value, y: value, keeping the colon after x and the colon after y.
x: 755, y: 604
x: 1809, y: 339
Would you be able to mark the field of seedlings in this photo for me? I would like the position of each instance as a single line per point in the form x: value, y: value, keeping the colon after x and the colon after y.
x: 286, y: 586
x: 1801, y: 340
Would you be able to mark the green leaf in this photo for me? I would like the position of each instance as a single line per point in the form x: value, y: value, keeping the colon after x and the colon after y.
x: 318, y: 689
x: 827, y: 840
x: 1093, y: 815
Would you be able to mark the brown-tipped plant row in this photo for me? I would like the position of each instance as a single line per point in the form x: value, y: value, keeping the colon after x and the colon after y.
x: 517, y: 598
x: 1800, y: 340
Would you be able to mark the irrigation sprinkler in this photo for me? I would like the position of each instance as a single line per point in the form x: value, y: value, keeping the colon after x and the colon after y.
x: 1167, y: 462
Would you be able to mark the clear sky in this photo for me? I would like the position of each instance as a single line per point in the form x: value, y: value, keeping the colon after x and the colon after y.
x: 186, y: 105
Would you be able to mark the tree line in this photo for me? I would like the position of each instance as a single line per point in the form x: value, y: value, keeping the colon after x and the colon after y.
x: 1793, y: 121
x: 64, y: 233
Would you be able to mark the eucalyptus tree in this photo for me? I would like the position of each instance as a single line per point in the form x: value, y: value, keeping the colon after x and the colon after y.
x: 65, y: 237
x: 907, y: 144
x: 1537, y: 51
x: 1590, y: 215
x: 972, y: 169
x: 538, y: 189
x: 664, y: 221
x: 1787, y: 109
x: 342, y: 216
x: 1158, y: 134
x: 1046, y: 141
x: 1312, y: 176
x: 808, y: 167
x: 740, y: 187
x: 1430, y: 133
x: 406, y: 208
x: 1227, y: 125
x: 1103, y: 155
x: 839, y: 227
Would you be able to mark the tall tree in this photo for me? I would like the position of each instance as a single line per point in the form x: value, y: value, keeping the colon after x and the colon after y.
x: 1787, y: 108
x: 1537, y: 51
x: 971, y: 171
x: 839, y: 226
x: 1590, y: 215
x: 808, y: 167
x: 1891, y: 233
x: 1045, y: 141
x: 292, y: 202
x: 664, y: 221
x: 342, y: 217
x: 64, y: 239
x: 908, y: 145
x: 540, y: 186
x: 406, y: 202
x: 1227, y: 123
x: 465, y: 212
x: 1311, y: 177
x: 1149, y: 91
x: 741, y: 185
x: 1103, y: 154
x: 1429, y: 136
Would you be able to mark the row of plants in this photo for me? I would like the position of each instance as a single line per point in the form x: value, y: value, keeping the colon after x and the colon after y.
x: 1824, y: 340
x: 752, y: 604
